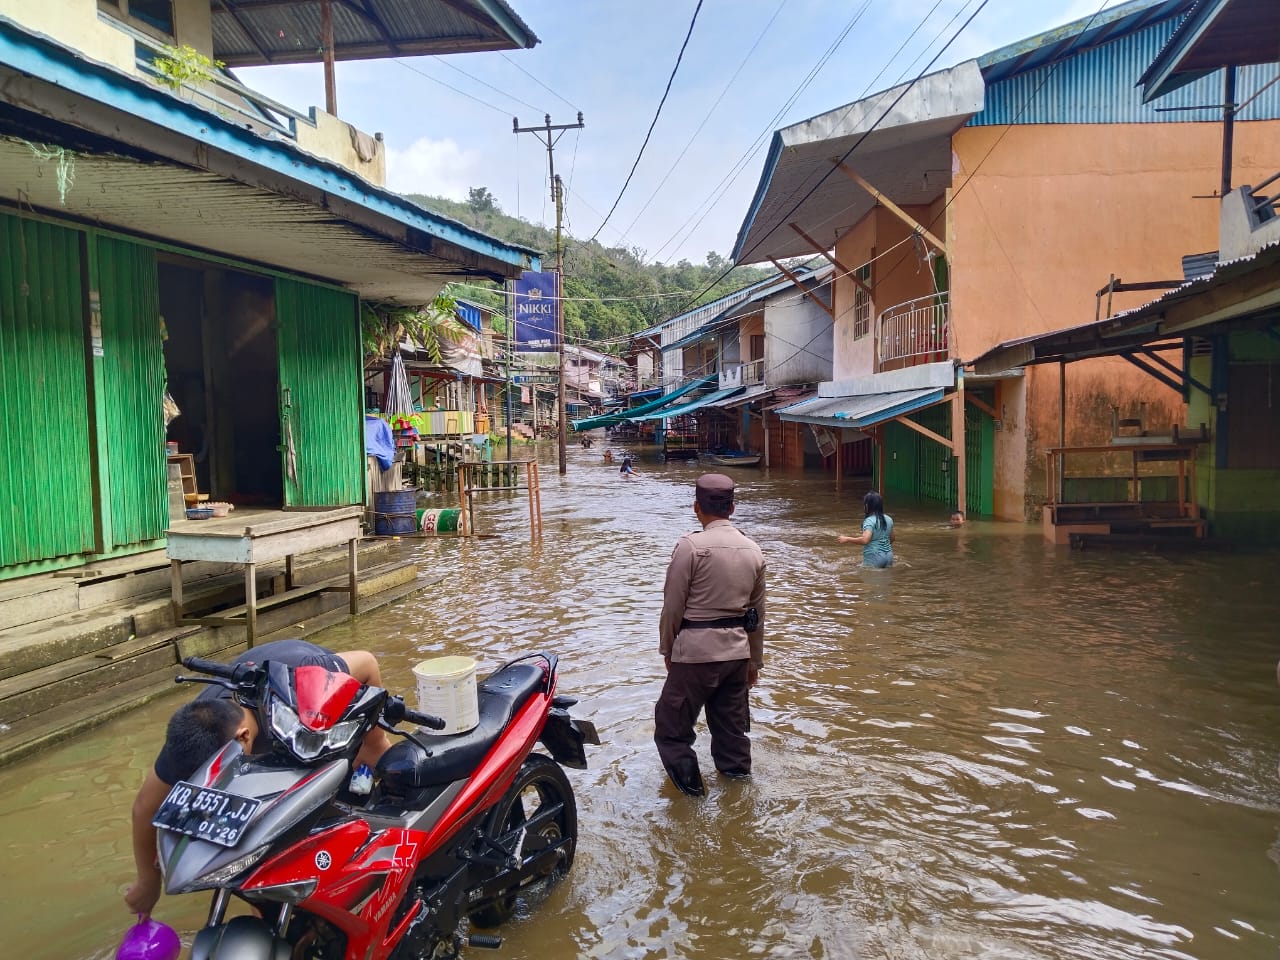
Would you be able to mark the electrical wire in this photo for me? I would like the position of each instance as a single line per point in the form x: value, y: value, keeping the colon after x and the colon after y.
x: 857, y: 143
x: 537, y: 81
x: 676, y: 162
x: 485, y: 83
x: 740, y: 165
x: 483, y: 103
x: 654, y: 123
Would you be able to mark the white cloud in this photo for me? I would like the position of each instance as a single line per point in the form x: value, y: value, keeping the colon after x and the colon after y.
x: 437, y: 167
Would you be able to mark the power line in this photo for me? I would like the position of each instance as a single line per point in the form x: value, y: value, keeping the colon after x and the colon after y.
x: 485, y: 83
x: 857, y: 143
x: 538, y: 82
x: 657, y: 113
x: 483, y: 103
x: 736, y: 169
x: 734, y: 77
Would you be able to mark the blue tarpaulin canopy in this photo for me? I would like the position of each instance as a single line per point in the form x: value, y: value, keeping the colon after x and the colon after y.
x: 619, y: 416
x: 688, y: 406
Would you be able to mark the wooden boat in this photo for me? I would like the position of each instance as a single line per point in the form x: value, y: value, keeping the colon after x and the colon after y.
x: 731, y: 459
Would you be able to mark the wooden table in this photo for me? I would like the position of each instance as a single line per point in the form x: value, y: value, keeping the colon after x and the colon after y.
x: 259, y: 538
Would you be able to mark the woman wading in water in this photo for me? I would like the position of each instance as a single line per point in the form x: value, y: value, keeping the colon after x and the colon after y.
x: 877, y: 533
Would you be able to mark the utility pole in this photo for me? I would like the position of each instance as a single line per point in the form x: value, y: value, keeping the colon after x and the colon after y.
x: 549, y: 134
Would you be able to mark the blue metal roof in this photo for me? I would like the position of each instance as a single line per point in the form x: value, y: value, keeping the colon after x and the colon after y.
x: 609, y: 419
x: 1094, y: 81
x: 862, y: 411
x: 1078, y: 35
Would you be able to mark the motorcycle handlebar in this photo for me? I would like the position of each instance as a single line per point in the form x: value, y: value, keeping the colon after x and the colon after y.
x: 395, y: 710
x: 211, y: 667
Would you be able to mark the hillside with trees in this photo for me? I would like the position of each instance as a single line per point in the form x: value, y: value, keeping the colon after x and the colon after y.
x: 610, y: 292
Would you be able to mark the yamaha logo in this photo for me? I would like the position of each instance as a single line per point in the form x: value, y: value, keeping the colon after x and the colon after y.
x: 323, y: 860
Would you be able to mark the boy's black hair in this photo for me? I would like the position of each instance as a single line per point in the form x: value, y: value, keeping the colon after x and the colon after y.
x: 195, y: 733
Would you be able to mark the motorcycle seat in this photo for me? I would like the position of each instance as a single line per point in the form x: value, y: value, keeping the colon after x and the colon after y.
x: 454, y: 756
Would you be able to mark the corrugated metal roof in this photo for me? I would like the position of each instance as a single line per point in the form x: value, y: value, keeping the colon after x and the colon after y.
x: 256, y: 32
x: 863, y: 411
x: 1071, y: 38
x: 1140, y: 324
x: 1214, y: 34
x: 206, y: 212
x: 1098, y: 84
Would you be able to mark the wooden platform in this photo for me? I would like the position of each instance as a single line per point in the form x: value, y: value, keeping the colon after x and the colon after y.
x: 248, y: 539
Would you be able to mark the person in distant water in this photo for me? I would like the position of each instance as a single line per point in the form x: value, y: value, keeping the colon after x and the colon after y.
x: 877, y: 533
x: 626, y: 469
x: 957, y: 518
x: 586, y: 442
x: 608, y: 456
x: 711, y: 637
x: 202, y: 727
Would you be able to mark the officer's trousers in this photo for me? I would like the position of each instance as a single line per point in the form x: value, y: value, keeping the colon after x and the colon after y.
x: 721, y: 688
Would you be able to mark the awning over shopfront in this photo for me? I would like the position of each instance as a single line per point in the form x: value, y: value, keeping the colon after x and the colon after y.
x: 1243, y: 291
x: 690, y: 406
x: 757, y: 392
x: 618, y: 416
x: 858, y: 412
x: 898, y: 139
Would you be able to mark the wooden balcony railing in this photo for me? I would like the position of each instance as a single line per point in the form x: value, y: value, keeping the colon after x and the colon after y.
x: 915, y: 331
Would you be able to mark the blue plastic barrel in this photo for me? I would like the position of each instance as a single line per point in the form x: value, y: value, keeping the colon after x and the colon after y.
x: 395, y: 512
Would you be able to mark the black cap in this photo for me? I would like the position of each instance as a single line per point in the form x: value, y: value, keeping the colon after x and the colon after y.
x: 714, y: 491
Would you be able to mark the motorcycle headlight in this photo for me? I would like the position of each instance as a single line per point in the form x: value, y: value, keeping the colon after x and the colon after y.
x: 303, y: 742
x: 234, y: 868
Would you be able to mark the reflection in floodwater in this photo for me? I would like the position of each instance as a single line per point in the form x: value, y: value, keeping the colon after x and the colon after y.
x: 995, y: 749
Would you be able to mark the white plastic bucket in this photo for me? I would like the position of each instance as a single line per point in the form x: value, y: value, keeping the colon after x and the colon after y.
x: 447, y: 688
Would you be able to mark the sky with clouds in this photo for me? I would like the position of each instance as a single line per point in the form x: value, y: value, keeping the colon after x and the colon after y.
x: 751, y: 66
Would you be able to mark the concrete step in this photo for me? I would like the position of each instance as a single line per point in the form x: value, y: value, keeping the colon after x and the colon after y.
x: 142, y: 668
x: 70, y: 681
x: 29, y: 735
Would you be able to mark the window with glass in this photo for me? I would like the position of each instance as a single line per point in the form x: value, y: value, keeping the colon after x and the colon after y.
x: 154, y: 16
x: 862, y: 302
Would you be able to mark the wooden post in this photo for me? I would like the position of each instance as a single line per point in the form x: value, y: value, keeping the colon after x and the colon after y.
x: 839, y: 450
x: 288, y: 572
x: 250, y: 602
x: 326, y: 43
x: 463, y: 527
x: 175, y: 588
x: 353, y: 570
x: 888, y: 204
x: 958, y: 442
x: 1062, y: 427
x: 879, y: 437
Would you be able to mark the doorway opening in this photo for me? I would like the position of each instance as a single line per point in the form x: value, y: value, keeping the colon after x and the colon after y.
x: 222, y: 363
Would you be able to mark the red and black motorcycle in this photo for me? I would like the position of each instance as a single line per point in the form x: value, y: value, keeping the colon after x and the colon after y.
x: 453, y: 829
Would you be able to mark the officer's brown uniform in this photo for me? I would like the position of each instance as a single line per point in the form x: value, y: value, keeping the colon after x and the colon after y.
x: 715, y: 575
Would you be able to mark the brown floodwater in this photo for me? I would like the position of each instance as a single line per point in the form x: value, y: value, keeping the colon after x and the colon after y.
x: 995, y: 749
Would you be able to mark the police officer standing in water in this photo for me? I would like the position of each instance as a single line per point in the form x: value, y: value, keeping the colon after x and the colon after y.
x: 711, y: 636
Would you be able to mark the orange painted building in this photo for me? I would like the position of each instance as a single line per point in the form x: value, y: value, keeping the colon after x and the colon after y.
x: 989, y: 202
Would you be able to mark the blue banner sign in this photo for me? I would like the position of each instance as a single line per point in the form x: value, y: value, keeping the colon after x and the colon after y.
x: 535, y: 312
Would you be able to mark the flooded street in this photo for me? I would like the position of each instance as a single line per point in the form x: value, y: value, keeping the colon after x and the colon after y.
x: 996, y: 749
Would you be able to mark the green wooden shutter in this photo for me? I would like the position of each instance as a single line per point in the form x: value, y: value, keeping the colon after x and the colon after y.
x: 46, y: 486
x: 131, y: 391
x: 321, y: 413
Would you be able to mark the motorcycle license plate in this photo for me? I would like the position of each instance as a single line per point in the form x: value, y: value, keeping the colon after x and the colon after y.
x: 205, y: 813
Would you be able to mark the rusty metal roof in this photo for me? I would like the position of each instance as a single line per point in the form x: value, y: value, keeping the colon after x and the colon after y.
x: 1214, y: 34
x: 250, y: 33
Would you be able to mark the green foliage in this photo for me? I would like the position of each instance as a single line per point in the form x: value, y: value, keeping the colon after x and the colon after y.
x: 383, y: 327
x: 185, y: 66
x: 611, y: 292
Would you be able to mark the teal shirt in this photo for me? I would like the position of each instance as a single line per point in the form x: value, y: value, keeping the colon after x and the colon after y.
x: 878, y: 552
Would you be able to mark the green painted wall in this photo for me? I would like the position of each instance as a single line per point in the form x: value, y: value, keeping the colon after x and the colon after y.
x: 322, y: 411
x: 925, y: 470
x: 130, y: 383
x: 1241, y: 505
x: 46, y: 480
